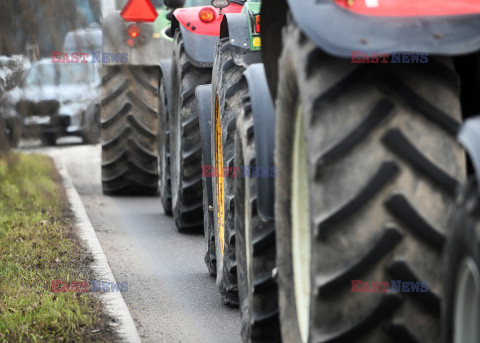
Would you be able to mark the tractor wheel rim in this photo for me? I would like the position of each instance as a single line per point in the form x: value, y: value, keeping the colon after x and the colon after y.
x: 301, y: 240
x: 219, y: 177
x: 467, y: 303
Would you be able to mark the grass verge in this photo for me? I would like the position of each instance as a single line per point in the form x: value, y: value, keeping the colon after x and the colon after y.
x: 37, y: 245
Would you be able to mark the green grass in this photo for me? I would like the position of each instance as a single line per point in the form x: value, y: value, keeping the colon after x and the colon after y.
x: 37, y: 246
x: 161, y: 23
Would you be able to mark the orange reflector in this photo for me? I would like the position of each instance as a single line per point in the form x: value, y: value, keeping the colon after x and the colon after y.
x: 257, y: 24
x: 207, y: 15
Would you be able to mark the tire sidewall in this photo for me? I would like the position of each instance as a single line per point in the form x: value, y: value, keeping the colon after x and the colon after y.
x: 462, y: 242
x: 288, y: 96
x: 163, y: 148
x: 175, y: 120
x: 244, y: 287
x: 93, y: 131
x: 210, y: 244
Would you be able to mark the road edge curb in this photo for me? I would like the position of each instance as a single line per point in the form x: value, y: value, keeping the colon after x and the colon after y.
x: 113, y: 301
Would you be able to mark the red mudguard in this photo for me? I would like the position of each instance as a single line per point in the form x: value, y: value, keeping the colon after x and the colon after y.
x: 443, y: 27
x: 411, y: 8
x: 190, y: 20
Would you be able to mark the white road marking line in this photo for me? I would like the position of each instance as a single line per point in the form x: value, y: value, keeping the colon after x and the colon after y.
x: 114, y: 303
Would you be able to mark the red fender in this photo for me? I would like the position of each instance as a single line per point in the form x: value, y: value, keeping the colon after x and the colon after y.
x: 190, y: 20
x: 410, y: 8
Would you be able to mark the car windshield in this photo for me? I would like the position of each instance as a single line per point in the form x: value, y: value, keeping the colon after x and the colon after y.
x: 60, y: 74
x: 86, y: 11
x: 83, y: 41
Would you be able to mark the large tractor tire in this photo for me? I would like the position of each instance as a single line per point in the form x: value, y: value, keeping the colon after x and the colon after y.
x: 13, y: 132
x: 255, y: 244
x: 461, y: 311
x: 209, y: 232
x: 92, y: 133
x: 185, y: 140
x: 129, y: 121
x: 4, y: 143
x: 203, y: 96
x: 49, y: 139
x: 228, y: 89
x: 165, y: 184
x: 368, y: 166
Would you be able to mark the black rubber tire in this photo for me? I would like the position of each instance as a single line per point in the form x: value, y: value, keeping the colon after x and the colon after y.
x: 129, y: 122
x: 4, y: 143
x: 229, y: 87
x: 185, y: 141
x: 210, y: 258
x: 209, y: 231
x: 382, y: 171
x: 165, y: 184
x: 257, y: 288
x: 13, y: 132
x: 463, y: 241
x: 48, y: 139
x: 92, y: 133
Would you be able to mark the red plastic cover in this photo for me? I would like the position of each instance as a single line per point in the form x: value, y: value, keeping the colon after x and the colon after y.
x: 188, y: 18
x: 411, y: 8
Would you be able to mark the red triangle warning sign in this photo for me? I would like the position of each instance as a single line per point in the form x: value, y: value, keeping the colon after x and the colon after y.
x: 139, y: 11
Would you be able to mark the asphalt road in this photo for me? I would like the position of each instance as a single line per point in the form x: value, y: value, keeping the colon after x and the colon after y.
x: 170, y: 295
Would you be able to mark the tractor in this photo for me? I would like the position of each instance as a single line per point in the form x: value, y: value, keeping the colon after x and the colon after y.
x: 195, y: 31
x: 361, y: 130
x: 229, y: 152
x: 129, y: 110
x: 198, y: 127
x: 369, y: 97
x: 150, y: 116
x: 130, y: 104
